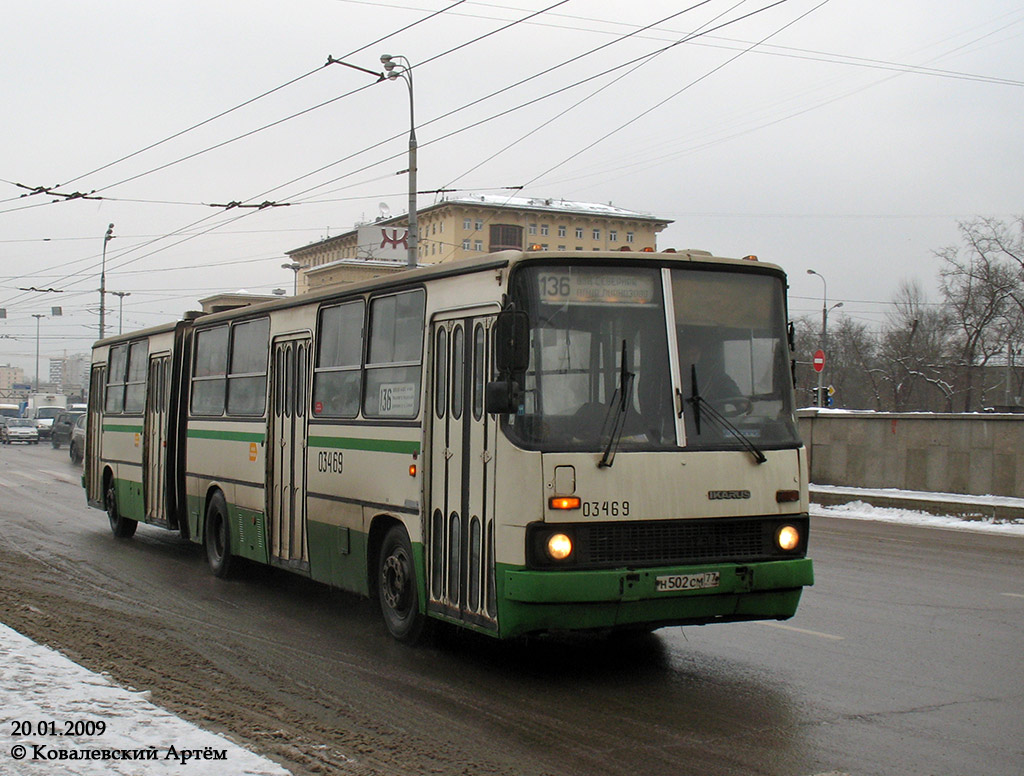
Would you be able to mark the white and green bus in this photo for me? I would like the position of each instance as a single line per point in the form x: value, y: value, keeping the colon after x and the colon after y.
x: 520, y: 443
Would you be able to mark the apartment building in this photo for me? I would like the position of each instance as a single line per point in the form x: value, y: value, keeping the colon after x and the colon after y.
x: 470, y: 226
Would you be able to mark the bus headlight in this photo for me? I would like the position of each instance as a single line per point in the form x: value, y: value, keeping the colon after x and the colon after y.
x: 787, y: 538
x: 559, y: 546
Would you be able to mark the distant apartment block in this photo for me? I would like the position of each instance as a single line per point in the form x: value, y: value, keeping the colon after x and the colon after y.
x: 471, y: 226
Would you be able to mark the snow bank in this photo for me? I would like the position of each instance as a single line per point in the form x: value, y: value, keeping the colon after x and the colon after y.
x: 59, y: 718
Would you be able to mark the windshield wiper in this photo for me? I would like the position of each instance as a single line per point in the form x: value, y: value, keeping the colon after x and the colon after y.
x: 619, y: 405
x: 718, y: 418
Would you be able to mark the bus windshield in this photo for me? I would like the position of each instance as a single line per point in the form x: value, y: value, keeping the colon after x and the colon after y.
x: 605, y: 352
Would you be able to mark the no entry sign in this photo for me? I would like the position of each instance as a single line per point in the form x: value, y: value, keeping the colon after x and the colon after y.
x: 819, y: 360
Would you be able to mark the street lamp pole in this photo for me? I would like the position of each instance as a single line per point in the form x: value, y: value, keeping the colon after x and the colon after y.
x: 294, y: 266
x: 120, y: 314
x: 399, y: 67
x: 103, y: 281
x: 37, y: 316
x: 824, y: 333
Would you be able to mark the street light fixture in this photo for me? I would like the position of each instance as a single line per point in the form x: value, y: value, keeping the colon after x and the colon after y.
x: 825, y: 309
x: 400, y: 67
x: 103, y: 281
x: 294, y: 266
x: 120, y: 314
x: 54, y: 312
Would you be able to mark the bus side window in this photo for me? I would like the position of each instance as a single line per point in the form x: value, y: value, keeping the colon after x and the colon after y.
x: 337, y: 379
x: 393, y: 357
x: 247, y: 379
x: 209, y: 376
x: 135, y: 387
x: 116, y: 375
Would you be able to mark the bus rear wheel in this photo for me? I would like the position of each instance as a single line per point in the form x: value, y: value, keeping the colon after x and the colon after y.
x: 120, y: 526
x: 396, y: 588
x: 217, y: 535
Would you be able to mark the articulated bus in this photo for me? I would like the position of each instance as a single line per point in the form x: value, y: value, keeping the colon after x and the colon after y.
x: 521, y: 443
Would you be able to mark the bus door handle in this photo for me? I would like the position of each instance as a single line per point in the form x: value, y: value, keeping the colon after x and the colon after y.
x: 679, y: 403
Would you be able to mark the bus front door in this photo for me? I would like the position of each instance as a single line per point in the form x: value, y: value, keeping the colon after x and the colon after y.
x: 154, y: 461
x: 460, y: 535
x: 286, y: 453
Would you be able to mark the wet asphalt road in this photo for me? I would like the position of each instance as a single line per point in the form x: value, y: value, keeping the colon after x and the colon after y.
x: 907, y: 657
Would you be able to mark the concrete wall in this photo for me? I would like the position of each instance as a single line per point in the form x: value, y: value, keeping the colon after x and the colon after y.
x: 977, y: 454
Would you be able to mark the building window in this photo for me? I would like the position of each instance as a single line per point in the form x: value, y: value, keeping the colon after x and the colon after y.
x: 506, y: 237
x: 579, y: 232
x: 561, y: 247
x: 478, y: 245
x: 579, y: 247
x: 597, y: 234
x: 532, y: 229
x: 544, y: 247
x: 544, y: 229
x: 629, y: 237
x: 613, y: 236
x: 561, y: 231
x: 478, y: 225
x: 465, y: 244
x: 467, y: 224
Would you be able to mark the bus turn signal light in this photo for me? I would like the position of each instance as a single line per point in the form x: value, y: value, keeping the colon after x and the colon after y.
x: 564, y: 502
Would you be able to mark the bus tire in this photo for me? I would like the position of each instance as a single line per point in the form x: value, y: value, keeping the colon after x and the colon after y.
x: 396, y: 588
x: 120, y: 526
x: 217, y: 537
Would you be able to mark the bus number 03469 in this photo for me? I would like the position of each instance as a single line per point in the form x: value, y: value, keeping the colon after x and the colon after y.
x: 606, y: 509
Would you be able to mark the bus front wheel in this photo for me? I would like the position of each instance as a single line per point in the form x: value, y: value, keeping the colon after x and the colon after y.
x: 218, y: 536
x: 121, y: 526
x: 396, y: 587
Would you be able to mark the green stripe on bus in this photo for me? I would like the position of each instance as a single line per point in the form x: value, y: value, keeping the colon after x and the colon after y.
x: 123, y: 428
x: 227, y: 436
x: 371, y: 445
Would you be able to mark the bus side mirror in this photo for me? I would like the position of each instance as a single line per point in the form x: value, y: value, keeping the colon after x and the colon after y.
x: 511, y: 342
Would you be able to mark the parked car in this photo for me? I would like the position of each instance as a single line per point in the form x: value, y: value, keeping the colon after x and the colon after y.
x: 76, y: 447
x: 60, y: 432
x: 19, y: 430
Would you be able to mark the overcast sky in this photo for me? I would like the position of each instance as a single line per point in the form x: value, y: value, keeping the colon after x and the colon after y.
x: 847, y: 136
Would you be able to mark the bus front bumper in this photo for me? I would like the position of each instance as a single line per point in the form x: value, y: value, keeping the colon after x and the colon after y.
x: 537, y: 601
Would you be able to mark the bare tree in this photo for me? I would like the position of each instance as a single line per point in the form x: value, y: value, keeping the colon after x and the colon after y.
x: 982, y: 283
x: 913, y: 349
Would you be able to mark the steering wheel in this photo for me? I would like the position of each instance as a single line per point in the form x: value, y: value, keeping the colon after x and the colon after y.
x: 733, y: 406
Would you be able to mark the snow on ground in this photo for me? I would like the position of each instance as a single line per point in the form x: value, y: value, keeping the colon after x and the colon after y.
x: 59, y: 718
x: 42, y: 693
x: 858, y: 509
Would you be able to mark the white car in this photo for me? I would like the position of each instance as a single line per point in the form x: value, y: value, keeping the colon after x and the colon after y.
x: 19, y: 430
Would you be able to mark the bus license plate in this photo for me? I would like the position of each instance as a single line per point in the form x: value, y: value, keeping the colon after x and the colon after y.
x: 687, y: 582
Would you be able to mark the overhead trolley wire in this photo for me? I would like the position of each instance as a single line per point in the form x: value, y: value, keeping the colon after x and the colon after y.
x: 225, y: 113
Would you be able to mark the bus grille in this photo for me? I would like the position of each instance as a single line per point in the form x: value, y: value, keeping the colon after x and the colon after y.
x: 665, y: 543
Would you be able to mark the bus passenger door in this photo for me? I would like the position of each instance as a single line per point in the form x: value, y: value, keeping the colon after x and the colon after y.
x: 460, y: 540
x: 94, y: 435
x: 154, y: 453
x: 286, y: 453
